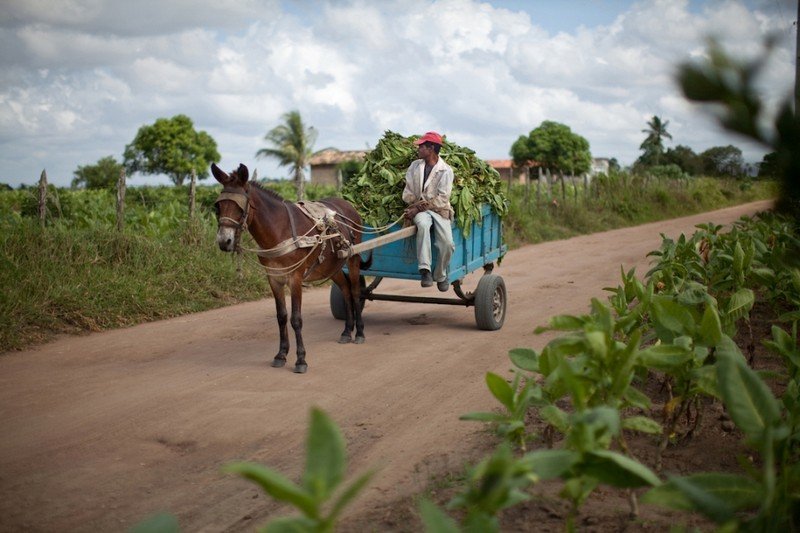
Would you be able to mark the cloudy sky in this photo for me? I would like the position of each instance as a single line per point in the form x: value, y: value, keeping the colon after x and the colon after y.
x: 80, y: 77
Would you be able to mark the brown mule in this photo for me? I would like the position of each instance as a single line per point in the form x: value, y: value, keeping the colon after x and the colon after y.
x: 295, y: 249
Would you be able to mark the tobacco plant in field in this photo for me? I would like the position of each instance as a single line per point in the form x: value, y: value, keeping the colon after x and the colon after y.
x: 516, y: 399
x: 765, y: 499
x: 324, y: 472
x: 593, y: 364
x: 501, y: 480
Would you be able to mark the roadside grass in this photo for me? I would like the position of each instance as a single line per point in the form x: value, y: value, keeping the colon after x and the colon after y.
x: 620, y: 205
x: 79, y: 275
x: 66, y: 280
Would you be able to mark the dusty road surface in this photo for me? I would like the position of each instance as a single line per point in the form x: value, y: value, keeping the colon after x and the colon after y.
x: 101, y: 431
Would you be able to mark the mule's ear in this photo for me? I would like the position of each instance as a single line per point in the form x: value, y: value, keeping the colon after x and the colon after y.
x: 219, y: 175
x: 243, y: 173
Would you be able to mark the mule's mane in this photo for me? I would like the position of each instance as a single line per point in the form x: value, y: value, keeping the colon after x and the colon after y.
x: 268, y: 192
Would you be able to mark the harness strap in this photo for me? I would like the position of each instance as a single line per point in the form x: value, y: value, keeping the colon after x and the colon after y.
x: 291, y: 219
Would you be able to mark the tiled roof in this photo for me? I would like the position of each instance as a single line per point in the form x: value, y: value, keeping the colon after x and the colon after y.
x: 509, y: 163
x: 332, y: 156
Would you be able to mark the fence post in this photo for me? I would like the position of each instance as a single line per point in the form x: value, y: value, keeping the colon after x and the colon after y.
x: 42, y: 197
x: 121, y: 200
x: 192, y: 193
x: 527, y: 187
x: 540, y: 173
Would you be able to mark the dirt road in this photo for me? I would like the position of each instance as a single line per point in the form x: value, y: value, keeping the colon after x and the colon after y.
x: 101, y: 431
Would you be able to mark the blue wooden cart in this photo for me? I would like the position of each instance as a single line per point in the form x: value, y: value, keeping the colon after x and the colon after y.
x: 394, y: 256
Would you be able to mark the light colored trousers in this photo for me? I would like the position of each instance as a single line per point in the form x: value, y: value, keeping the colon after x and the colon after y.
x: 443, y: 240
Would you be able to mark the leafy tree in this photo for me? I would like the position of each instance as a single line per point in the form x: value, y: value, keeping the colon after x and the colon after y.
x: 769, y: 167
x: 653, y: 145
x: 730, y: 84
x: 555, y: 146
x: 613, y: 165
x: 5, y: 187
x: 172, y: 147
x: 723, y: 161
x: 685, y: 158
x: 102, y: 175
x: 292, y: 144
x: 349, y: 169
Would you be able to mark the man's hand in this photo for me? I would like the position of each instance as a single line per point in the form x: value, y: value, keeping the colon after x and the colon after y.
x: 412, y: 210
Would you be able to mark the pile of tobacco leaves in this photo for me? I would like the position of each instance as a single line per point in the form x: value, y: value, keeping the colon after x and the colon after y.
x: 376, y: 191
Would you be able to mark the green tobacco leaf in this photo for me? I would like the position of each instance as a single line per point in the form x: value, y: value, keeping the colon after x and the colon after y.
x: 784, y: 345
x: 703, y: 501
x: 550, y: 464
x: 435, y: 520
x: 710, y: 327
x: 671, y: 316
x: 596, y: 343
x: 747, y: 398
x: 705, y: 379
x: 556, y: 417
x: 325, y: 456
x: 740, y: 304
x: 501, y: 390
x: 736, y: 491
x: 566, y: 322
x: 350, y: 494
x: 665, y: 357
x: 623, y: 364
x: 643, y: 424
x: 636, y: 398
x: 275, y: 485
x: 525, y: 359
x: 617, y: 470
x: 568, y: 345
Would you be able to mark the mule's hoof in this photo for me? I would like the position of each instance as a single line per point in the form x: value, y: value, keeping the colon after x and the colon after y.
x: 300, y: 369
x: 278, y: 363
x: 359, y: 340
x: 344, y: 339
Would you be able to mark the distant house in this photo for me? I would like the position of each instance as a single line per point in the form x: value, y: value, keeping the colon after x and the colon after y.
x: 600, y: 165
x: 324, y: 164
x: 511, y: 173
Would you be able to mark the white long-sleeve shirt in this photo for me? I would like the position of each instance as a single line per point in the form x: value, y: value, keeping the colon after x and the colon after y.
x: 437, y: 189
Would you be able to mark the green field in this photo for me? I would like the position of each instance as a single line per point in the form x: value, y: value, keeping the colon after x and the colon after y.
x: 79, y: 274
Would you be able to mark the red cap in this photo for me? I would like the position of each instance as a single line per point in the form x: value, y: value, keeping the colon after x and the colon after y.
x: 431, y: 136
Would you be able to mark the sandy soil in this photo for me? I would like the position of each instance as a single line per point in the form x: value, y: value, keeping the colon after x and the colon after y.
x: 104, y: 430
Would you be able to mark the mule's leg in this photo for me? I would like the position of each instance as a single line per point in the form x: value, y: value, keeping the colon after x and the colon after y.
x: 344, y: 285
x: 355, y: 297
x: 283, y: 318
x: 296, y: 290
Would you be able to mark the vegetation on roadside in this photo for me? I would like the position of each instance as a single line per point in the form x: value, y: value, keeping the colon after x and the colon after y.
x: 77, y: 274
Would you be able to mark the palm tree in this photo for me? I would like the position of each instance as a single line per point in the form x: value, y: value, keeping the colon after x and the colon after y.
x: 656, y: 131
x: 292, y: 144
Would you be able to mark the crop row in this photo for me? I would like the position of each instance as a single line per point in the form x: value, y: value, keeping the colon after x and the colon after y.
x: 676, y: 326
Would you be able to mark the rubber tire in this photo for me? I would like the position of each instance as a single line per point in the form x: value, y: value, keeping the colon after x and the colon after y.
x: 490, y: 302
x: 338, y: 308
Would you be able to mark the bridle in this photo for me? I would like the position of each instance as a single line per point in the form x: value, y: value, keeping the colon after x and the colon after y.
x: 241, y: 199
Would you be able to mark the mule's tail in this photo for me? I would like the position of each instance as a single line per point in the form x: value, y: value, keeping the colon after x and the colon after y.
x: 365, y: 265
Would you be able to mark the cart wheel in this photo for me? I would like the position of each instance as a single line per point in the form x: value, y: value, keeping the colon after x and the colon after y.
x: 338, y: 308
x: 490, y: 302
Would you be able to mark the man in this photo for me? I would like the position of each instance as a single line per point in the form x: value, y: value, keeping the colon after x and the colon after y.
x: 429, y: 182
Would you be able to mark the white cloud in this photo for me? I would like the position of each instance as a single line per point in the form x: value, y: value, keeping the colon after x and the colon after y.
x: 83, y: 78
